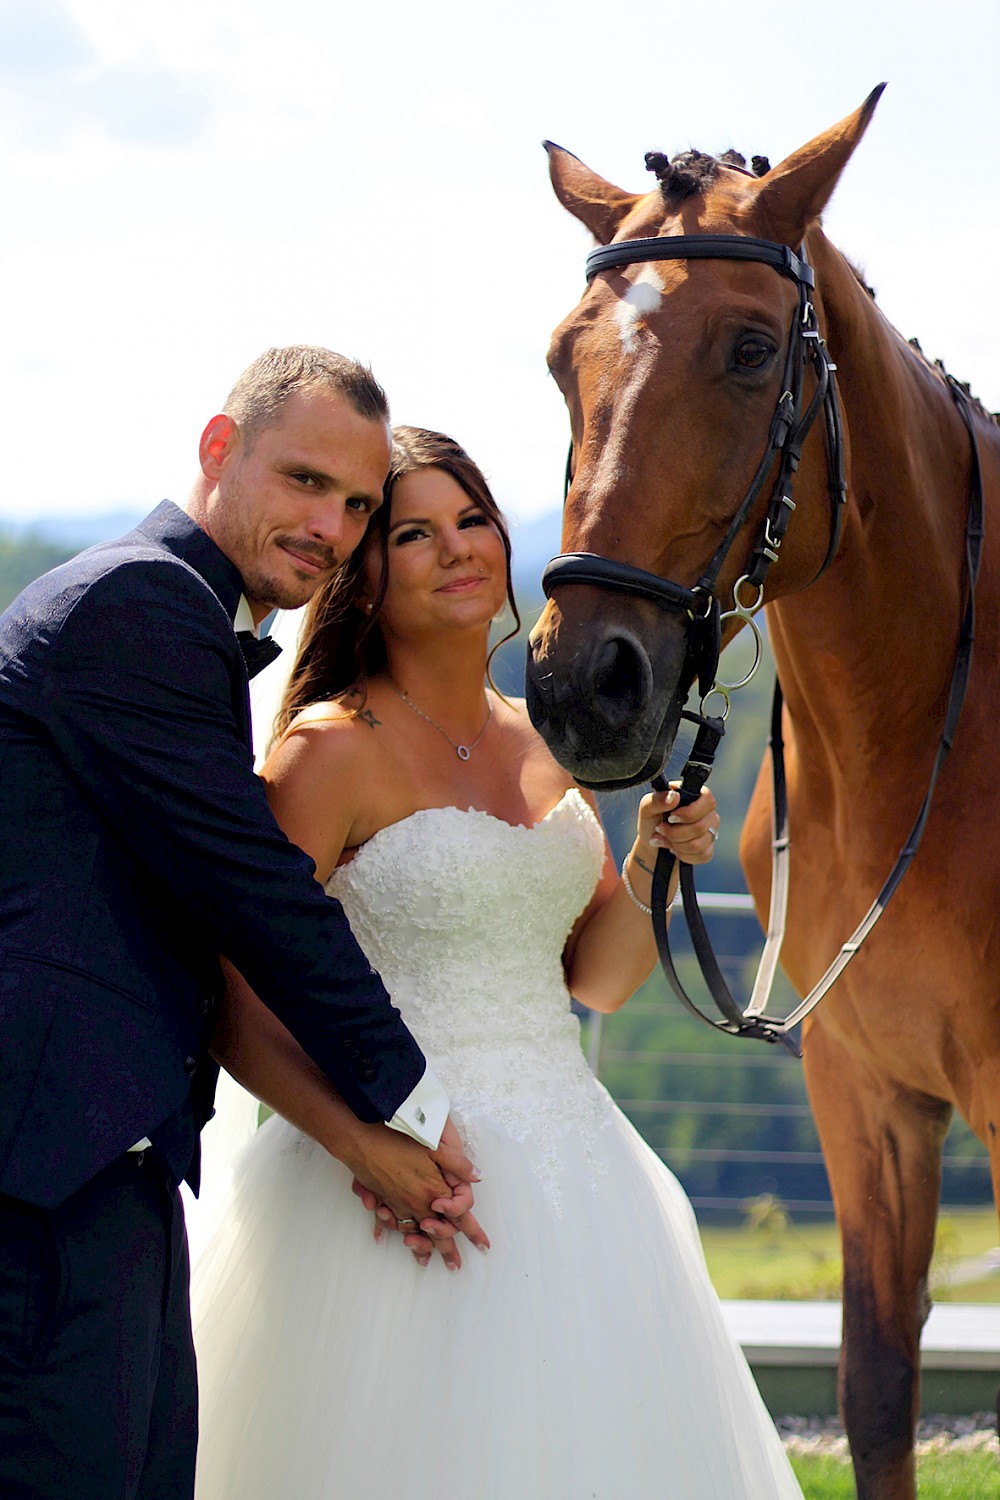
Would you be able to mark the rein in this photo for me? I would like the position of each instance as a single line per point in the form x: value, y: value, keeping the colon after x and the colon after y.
x: 790, y: 426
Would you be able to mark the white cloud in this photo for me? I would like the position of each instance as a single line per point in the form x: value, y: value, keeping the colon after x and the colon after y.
x: 97, y: 86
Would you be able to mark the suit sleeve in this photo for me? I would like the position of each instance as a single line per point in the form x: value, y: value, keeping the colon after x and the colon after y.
x: 138, y: 696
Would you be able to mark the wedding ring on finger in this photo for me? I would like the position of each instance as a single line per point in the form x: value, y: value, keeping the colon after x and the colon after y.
x: 407, y: 1221
x: 714, y: 835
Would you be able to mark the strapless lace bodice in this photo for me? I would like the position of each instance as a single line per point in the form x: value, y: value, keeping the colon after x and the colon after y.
x: 466, y: 917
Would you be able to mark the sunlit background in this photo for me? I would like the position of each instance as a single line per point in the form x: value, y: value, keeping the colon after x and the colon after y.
x: 187, y: 184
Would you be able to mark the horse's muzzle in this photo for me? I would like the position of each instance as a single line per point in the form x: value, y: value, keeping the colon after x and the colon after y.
x: 601, y: 706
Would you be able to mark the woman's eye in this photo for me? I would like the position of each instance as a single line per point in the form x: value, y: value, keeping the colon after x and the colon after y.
x: 411, y: 534
x: 752, y: 354
x: 476, y: 519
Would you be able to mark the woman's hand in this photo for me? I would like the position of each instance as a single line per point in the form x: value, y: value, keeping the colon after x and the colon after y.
x: 450, y: 1214
x: 690, y: 833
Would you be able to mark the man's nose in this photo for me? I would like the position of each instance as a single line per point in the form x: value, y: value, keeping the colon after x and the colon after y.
x: 326, y: 524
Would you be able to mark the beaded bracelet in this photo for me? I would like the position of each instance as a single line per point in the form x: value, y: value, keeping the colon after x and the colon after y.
x: 631, y: 893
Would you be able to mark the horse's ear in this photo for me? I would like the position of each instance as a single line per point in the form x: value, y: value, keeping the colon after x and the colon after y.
x: 797, y: 190
x: 598, y: 204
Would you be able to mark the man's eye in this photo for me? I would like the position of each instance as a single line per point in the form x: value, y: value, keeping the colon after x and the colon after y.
x: 304, y: 479
x: 359, y: 502
x: 752, y: 354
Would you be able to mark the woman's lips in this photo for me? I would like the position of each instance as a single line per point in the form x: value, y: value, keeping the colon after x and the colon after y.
x: 461, y: 585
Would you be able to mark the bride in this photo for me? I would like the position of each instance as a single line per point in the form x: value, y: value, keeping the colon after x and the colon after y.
x: 585, y: 1354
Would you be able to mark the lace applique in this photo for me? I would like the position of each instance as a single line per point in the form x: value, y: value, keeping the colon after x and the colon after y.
x: 466, y: 918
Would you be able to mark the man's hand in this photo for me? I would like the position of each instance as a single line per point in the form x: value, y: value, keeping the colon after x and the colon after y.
x: 447, y: 1213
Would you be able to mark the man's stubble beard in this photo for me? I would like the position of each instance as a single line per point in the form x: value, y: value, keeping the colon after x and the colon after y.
x: 260, y: 586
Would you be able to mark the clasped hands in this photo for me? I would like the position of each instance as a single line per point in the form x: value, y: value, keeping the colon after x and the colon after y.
x: 404, y: 1184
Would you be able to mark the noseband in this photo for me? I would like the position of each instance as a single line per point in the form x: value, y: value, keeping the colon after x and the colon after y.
x: 790, y: 426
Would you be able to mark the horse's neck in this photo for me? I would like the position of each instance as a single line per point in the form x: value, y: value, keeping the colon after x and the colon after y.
x: 865, y: 654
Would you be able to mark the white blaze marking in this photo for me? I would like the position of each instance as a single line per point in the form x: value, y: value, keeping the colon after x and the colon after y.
x: 643, y: 296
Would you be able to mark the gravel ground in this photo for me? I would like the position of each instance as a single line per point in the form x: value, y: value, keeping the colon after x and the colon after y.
x: 810, y: 1436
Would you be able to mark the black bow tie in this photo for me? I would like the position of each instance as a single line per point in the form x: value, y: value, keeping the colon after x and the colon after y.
x: 257, y: 654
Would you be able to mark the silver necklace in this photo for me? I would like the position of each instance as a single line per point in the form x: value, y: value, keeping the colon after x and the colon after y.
x: 462, y: 751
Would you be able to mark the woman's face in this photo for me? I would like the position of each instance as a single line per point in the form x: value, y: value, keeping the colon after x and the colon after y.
x: 446, y: 563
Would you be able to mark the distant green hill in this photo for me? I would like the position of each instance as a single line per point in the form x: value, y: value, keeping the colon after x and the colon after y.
x: 23, y: 558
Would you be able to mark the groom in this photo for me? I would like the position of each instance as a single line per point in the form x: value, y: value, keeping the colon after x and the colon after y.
x: 136, y: 848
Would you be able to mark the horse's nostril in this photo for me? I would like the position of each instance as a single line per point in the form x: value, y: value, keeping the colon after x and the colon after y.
x: 621, y: 679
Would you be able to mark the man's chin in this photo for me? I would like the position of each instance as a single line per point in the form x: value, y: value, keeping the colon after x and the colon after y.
x: 283, y: 593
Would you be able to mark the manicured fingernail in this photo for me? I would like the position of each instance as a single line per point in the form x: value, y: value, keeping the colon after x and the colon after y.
x: 451, y: 1265
x: 658, y: 842
x: 673, y: 818
x: 483, y: 1249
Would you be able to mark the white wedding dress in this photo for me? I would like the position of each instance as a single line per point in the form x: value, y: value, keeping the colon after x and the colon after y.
x: 586, y: 1354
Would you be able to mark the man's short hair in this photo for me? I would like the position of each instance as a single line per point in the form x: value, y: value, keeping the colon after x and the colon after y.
x: 256, y: 399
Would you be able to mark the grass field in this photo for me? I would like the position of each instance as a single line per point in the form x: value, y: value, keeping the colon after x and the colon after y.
x: 782, y: 1259
x: 955, y: 1476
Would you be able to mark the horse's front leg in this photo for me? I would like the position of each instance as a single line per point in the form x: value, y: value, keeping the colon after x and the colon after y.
x: 883, y: 1153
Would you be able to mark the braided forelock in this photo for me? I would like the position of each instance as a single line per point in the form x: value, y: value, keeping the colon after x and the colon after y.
x: 694, y: 171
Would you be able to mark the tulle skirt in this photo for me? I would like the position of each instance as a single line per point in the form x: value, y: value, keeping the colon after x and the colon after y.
x: 583, y: 1358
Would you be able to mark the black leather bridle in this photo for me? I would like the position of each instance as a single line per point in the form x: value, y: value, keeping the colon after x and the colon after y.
x: 790, y: 426
x: 789, y: 429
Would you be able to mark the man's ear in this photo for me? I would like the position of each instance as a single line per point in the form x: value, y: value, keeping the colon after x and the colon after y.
x: 217, y: 443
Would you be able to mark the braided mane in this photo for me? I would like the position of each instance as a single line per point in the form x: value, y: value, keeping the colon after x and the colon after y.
x: 693, y: 171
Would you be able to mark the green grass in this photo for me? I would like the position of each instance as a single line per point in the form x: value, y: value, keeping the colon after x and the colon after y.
x: 802, y: 1261
x: 957, y: 1476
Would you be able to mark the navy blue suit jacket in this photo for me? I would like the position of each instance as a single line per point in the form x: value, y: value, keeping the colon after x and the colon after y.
x: 136, y: 845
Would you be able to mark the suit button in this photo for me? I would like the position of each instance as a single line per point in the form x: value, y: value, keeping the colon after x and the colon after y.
x: 190, y: 1066
x: 368, y: 1073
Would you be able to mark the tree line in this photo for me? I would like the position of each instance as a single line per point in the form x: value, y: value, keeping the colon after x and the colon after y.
x: 729, y: 1116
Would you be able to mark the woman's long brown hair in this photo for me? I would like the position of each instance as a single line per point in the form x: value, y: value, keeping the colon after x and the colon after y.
x: 341, y: 648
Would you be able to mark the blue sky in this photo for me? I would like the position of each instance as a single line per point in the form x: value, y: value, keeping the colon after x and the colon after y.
x: 186, y: 184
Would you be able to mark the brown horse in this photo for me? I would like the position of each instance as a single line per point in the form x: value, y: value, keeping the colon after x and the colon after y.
x: 672, y: 371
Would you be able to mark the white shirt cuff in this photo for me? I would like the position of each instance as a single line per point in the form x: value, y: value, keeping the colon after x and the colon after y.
x: 423, y: 1113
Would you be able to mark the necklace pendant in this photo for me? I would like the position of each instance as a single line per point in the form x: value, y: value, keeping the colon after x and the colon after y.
x: 462, y: 751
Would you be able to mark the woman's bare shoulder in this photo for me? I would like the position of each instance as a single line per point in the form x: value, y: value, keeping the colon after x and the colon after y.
x: 323, y: 736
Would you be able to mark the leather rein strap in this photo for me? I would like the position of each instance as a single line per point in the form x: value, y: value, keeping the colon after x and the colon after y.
x: 752, y: 1021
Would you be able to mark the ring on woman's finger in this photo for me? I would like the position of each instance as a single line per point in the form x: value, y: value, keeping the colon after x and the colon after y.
x: 406, y: 1221
x: 714, y: 832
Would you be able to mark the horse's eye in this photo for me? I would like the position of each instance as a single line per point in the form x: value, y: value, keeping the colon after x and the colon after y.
x: 752, y: 354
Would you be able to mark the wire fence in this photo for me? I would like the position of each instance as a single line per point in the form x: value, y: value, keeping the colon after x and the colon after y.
x: 692, y: 1104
